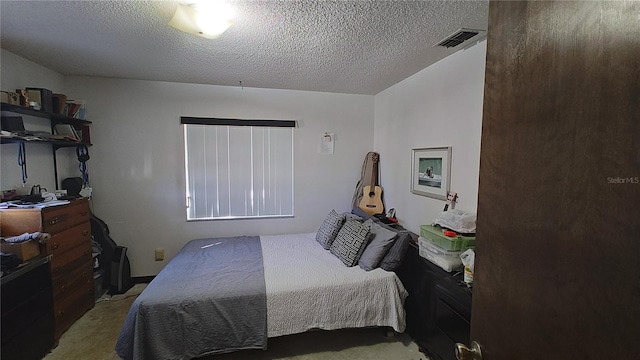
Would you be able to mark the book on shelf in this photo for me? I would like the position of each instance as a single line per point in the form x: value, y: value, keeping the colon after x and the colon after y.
x: 75, y: 109
x: 65, y: 132
x: 85, y: 134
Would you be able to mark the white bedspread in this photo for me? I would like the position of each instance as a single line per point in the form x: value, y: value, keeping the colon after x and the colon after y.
x: 309, y: 288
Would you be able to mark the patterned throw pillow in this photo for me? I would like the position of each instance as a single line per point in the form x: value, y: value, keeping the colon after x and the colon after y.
x: 329, y: 229
x: 350, y: 242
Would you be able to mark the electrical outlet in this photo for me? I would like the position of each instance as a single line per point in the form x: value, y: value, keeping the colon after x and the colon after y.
x: 159, y: 254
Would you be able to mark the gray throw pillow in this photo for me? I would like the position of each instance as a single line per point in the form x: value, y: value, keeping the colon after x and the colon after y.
x: 350, y: 242
x: 358, y: 212
x: 350, y: 216
x: 394, y: 257
x: 329, y: 229
x: 381, y: 242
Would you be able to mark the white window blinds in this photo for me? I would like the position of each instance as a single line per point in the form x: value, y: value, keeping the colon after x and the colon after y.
x: 238, y: 171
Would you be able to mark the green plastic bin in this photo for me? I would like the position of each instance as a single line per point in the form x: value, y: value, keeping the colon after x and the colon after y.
x: 435, y: 235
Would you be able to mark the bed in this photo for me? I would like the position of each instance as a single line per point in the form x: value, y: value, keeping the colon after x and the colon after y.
x: 227, y: 294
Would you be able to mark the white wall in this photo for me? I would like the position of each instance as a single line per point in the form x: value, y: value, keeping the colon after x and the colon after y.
x: 18, y: 73
x: 439, y: 106
x: 137, y: 158
x: 136, y: 166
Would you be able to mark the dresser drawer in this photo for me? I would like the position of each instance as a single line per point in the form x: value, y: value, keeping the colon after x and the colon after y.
x: 63, y: 241
x: 63, y: 263
x: 55, y: 219
x: 70, y: 309
x: 67, y: 283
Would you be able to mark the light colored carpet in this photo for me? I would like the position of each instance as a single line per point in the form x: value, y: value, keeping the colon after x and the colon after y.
x: 94, y: 335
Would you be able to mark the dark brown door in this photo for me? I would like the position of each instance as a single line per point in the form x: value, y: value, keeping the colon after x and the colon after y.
x: 558, y: 231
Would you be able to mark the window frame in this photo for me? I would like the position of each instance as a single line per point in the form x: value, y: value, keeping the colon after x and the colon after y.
x: 223, y: 122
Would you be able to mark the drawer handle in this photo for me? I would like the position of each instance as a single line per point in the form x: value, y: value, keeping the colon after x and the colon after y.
x: 57, y: 269
x: 83, y: 212
x: 85, y: 232
x: 55, y: 246
x: 63, y: 288
x: 60, y: 313
x: 54, y: 221
x: 87, y: 252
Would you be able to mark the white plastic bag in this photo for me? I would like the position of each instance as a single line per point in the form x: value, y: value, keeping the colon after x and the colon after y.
x: 458, y: 221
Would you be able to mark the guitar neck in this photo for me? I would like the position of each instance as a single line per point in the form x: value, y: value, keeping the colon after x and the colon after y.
x: 374, y: 171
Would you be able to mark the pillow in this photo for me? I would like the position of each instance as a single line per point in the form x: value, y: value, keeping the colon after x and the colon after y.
x: 394, y: 257
x: 358, y: 212
x: 381, y: 242
x: 350, y: 216
x: 350, y: 242
x: 329, y: 229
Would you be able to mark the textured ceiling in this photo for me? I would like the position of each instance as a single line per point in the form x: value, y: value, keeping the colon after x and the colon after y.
x: 359, y: 47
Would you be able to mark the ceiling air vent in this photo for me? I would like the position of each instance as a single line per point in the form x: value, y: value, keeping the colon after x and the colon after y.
x: 459, y: 37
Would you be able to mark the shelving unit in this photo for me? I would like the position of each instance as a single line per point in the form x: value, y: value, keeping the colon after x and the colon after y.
x: 54, y: 120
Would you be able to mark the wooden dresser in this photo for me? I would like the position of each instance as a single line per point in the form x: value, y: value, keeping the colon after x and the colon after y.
x: 70, y: 247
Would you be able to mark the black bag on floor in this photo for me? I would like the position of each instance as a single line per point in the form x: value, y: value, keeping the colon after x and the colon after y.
x: 113, y: 259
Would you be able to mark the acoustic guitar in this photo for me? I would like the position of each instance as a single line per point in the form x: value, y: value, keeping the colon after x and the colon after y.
x: 371, y: 202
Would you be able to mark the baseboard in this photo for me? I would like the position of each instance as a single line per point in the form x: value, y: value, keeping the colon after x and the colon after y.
x: 142, y: 279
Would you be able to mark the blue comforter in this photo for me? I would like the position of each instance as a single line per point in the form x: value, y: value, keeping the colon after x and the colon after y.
x: 209, y: 299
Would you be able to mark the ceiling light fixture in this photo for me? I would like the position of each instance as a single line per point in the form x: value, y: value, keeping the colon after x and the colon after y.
x: 208, y: 19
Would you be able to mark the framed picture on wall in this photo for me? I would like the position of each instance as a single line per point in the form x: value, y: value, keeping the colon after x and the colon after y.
x: 431, y: 172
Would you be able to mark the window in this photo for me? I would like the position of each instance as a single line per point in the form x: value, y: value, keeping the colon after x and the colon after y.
x: 238, y: 168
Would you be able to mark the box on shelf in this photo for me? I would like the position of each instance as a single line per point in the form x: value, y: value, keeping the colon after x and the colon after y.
x: 43, y: 96
x: 10, y: 97
x: 58, y: 102
x: 446, y: 259
x: 435, y: 235
x: 24, y: 250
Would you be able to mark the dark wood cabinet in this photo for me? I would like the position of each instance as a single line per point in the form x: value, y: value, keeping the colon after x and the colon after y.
x: 438, y: 307
x: 27, y: 311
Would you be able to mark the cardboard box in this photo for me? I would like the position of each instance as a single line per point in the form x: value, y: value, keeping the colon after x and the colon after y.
x: 10, y: 97
x: 25, y: 250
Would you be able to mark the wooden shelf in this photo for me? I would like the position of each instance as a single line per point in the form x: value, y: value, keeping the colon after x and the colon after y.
x: 55, y: 118
x: 56, y: 143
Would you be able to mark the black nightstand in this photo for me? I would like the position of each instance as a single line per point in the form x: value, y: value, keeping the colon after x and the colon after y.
x: 438, y: 307
x: 453, y: 317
